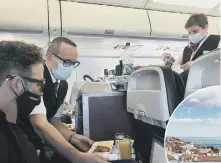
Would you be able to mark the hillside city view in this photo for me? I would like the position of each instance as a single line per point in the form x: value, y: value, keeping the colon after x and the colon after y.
x: 193, y: 133
x: 178, y: 150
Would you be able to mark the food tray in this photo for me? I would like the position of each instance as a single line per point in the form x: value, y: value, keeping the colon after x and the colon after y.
x: 108, y: 144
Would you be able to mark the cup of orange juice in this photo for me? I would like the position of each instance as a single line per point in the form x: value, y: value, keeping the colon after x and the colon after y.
x: 125, y: 148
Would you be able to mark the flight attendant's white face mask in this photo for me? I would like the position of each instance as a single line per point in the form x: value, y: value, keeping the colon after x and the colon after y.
x: 196, y: 38
x: 196, y: 33
x: 62, y: 73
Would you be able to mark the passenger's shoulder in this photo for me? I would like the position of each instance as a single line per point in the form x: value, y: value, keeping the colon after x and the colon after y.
x: 14, y: 128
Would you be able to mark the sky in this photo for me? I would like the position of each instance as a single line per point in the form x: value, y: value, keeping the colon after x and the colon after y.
x: 198, y: 116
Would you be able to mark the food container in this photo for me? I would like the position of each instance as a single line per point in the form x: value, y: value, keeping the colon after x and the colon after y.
x: 102, y: 147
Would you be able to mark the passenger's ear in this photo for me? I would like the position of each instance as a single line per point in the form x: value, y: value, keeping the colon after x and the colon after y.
x: 16, y: 85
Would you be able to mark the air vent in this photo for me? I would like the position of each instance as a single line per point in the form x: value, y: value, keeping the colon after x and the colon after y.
x: 134, y: 47
x: 163, y: 48
x: 119, y: 47
x: 109, y: 32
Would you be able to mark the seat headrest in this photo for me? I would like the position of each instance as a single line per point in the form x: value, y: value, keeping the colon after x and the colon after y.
x: 155, y: 90
x: 85, y: 87
x: 94, y: 87
x: 204, y: 72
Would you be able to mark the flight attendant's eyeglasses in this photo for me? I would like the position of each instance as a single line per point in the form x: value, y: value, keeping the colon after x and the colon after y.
x: 68, y: 63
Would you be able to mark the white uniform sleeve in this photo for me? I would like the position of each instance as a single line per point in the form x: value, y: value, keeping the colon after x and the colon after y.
x: 59, y: 112
x: 40, y: 109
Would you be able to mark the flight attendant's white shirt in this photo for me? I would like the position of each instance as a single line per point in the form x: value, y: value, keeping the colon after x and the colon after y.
x: 179, y: 59
x: 41, y: 109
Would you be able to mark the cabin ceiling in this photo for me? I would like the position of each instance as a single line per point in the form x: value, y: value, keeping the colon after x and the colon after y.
x: 210, y: 7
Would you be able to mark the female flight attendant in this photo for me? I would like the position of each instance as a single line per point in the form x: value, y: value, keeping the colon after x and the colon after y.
x: 201, y: 42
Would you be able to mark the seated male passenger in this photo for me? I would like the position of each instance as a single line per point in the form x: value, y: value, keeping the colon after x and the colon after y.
x: 201, y: 42
x: 21, y: 82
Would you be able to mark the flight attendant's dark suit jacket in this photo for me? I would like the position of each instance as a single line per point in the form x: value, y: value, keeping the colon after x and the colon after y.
x: 211, y: 43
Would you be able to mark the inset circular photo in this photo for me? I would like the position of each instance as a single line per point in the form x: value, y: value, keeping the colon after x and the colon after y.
x: 193, y: 133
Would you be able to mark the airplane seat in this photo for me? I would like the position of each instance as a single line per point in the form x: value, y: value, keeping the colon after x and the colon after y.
x: 80, y: 88
x: 152, y: 96
x: 204, y: 72
x: 180, y: 86
x: 175, y: 88
x: 66, y: 119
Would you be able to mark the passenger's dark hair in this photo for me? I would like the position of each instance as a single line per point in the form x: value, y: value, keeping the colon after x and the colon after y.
x: 54, y: 47
x: 16, y: 58
x: 200, y: 20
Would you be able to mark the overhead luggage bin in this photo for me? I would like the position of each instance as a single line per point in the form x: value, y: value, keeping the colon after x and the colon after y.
x: 101, y: 20
x: 126, y: 3
x: 204, y: 72
x: 54, y: 19
x: 188, y: 6
x: 25, y: 16
x: 24, y: 21
x: 215, y: 11
x: 217, y: 20
x: 214, y: 24
x: 166, y: 24
x: 39, y: 40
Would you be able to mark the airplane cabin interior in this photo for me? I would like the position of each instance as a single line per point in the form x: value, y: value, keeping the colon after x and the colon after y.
x: 106, y: 98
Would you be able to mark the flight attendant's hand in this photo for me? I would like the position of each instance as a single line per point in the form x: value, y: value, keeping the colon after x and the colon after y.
x: 82, y: 142
x: 187, y: 65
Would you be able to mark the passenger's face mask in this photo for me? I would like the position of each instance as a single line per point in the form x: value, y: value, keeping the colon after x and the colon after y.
x: 196, y: 38
x: 26, y: 102
x: 62, y: 72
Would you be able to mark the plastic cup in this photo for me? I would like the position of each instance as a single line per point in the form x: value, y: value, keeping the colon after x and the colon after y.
x: 118, y: 136
x: 125, y: 149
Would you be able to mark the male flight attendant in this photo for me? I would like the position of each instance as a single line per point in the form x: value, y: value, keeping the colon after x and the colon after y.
x: 44, y: 122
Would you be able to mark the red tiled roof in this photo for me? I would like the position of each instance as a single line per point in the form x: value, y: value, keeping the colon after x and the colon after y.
x: 185, y: 156
x: 209, y: 158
